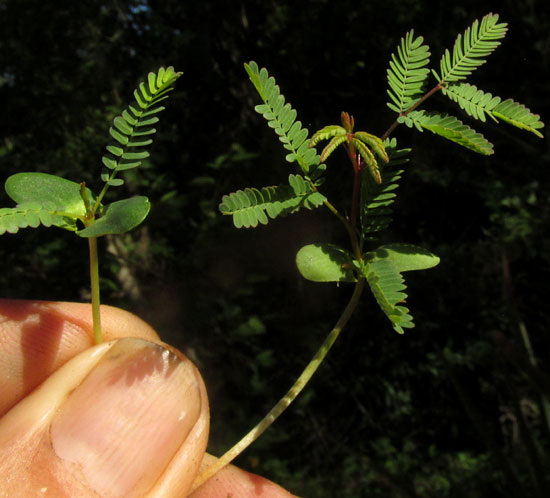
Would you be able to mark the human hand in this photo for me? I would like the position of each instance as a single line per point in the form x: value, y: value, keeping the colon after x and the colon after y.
x: 126, y: 418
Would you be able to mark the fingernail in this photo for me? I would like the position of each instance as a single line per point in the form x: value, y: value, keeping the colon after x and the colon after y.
x: 127, y: 419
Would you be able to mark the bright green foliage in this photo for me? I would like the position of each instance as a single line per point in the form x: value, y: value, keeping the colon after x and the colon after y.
x: 450, y: 128
x: 24, y: 215
x: 252, y: 206
x: 407, y: 73
x: 42, y: 199
x: 407, y: 77
x: 325, y: 263
x: 282, y: 118
x: 474, y: 102
x: 382, y: 269
x: 133, y: 129
x: 120, y: 217
x: 477, y: 103
x: 387, y: 285
x: 478, y: 41
x: 376, y: 199
x: 405, y: 257
x: 518, y: 115
x: 373, y: 195
x: 52, y: 200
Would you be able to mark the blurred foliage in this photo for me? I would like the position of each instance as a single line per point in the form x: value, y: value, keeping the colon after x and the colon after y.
x: 451, y: 409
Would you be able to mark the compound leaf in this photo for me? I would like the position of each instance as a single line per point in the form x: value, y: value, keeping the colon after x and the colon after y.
x: 282, y: 118
x: 518, y: 115
x: 478, y: 41
x: 450, y: 128
x: 252, y: 206
x: 387, y: 285
x: 407, y: 73
x: 126, y: 152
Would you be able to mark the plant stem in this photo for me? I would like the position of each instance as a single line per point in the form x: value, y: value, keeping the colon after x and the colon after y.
x: 94, y: 284
x: 291, y: 394
x: 420, y: 101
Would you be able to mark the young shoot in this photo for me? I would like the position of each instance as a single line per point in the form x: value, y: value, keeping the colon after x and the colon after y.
x: 49, y: 200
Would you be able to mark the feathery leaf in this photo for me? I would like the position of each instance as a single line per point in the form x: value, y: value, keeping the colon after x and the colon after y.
x: 518, y: 115
x: 478, y: 41
x: 136, y: 121
x: 387, y: 285
x: 407, y: 72
x: 252, y: 206
x: 282, y: 118
x: 450, y: 128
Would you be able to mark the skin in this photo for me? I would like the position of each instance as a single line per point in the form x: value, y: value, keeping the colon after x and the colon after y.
x: 126, y: 418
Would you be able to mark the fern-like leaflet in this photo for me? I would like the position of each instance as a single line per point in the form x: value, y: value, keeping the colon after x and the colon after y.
x: 450, y: 128
x: 282, y: 118
x: 132, y: 130
x: 518, y: 115
x: 252, y: 206
x: 387, y: 285
x: 478, y: 41
x: 376, y: 198
x: 23, y: 216
x: 407, y: 73
x: 477, y: 103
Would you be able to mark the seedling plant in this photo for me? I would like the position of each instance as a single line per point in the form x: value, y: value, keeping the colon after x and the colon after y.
x: 376, y: 167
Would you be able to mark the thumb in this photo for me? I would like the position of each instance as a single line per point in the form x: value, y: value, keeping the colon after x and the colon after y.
x: 127, y: 418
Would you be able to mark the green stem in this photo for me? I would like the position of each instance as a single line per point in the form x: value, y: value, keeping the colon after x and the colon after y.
x: 291, y: 394
x: 94, y: 282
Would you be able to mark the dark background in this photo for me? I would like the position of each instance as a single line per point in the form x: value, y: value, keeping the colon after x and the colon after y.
x: 453, y: 407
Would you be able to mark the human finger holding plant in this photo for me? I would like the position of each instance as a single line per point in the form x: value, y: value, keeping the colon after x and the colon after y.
x: 127, y: 418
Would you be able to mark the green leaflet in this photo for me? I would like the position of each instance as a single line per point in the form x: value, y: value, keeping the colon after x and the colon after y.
x: 405, y: 257
x: 23, y: 216
x: 131, y: 129
x: 252, y: 206
x: 450, y: 128
x: 407, y: 73
x: 477, y: 103
x: 43, y: 199
x: 477, y: 42
x: 518, y: 115
x: 282, y: 118
x: 120, y: 217
x: 325, y: 263
x: 387, y: 285
x: 473, y: 101
x: 377, y: 199
x: 383, y: 267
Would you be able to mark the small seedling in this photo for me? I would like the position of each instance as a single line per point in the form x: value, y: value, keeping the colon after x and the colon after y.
x: 376, y: 163
x: 50, y: 200
x: 376, y: 167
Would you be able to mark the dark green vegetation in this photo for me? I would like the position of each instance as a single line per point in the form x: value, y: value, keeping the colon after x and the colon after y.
x: 452, y: 408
